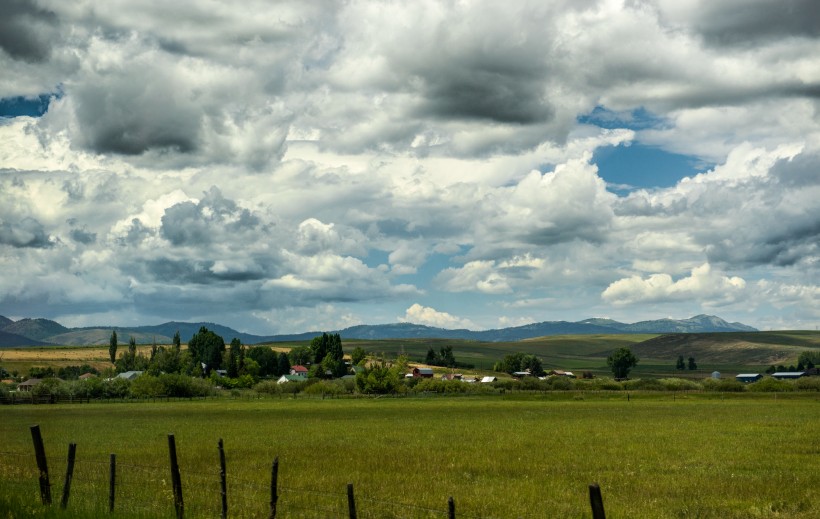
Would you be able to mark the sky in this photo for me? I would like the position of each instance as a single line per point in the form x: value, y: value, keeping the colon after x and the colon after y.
x: 282, y: 167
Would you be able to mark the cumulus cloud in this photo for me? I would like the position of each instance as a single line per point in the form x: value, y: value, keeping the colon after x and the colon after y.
x: 703, y: 285
x: 27, y: 232
x: 26, y: 30
x: 427, y: 316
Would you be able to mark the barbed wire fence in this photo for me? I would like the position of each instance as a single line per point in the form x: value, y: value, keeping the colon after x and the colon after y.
x: 150, y: 490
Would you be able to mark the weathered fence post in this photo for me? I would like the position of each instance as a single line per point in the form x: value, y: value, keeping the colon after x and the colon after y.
x: 451, y: 508
x: 351, y: 502
x: 176, y: 481
x: 222, y: 480
x: 112, y: 482
x: 42, y: 464
x: 69, y: 474
x: 274, y: 476
x: 596, y: 501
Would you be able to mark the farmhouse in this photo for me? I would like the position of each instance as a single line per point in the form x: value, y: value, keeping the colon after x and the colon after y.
x: 299, y: 371
x: 748, y: 377
x: 787, y: 375
x: 29, y: 384
x: 129, y: 375
x: 422, y: 372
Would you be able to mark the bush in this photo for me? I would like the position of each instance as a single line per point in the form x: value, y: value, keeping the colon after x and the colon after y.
x: 116, y: 388
x: 268, y: 387
x: 679, y: 384
x: 807, y: 384
x: 326, y: 387
x: 561, y: 383
x: 146, y: 386
x: 430, y: 385
x: 727, y: 385
x: 771, y: 385
x: 646, y: 384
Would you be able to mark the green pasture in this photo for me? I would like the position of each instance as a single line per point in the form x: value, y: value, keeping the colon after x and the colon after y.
x: 654, y: 455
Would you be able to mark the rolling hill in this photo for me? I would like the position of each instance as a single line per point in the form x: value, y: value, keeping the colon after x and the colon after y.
x: 48, y: 331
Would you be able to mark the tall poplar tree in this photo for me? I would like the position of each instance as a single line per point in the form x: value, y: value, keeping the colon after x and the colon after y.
x: 112, y: 347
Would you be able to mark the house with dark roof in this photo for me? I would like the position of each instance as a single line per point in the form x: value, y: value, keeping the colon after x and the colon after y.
x: 422, y: 372
x: 787, y: 375
x: 748, y: 377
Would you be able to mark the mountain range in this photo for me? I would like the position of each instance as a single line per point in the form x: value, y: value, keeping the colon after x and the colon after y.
x: 38, y: 332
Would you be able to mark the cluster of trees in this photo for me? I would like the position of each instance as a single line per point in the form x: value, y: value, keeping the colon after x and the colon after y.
x: 681, y: 365
x: 517, y: 362
x: 806, y: 360
x: 444, y: 357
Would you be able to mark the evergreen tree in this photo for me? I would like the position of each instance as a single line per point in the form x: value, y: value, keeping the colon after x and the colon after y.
x: 233, y: 358
x: 112, y: 347
x: 206, y: 348
x: 692, y: 365
x: 680, y: 365
x: 431, y: 358
x: 283, y: 364
x: 177, y: 341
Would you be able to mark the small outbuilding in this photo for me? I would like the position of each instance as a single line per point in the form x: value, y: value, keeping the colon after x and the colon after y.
x: 487, y: 380
x: 284, y: 379
x: 716, y: 375
x: 451, y: 376
x: 748, y: 377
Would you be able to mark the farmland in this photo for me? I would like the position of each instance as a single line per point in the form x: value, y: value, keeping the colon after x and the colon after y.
x: 654, y: 455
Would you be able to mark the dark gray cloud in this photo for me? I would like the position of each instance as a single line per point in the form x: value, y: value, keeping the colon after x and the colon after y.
x: 214, y: 218
x: 786, y: 244
x: 83, y: 236
x: 750, y: 22
x: 26, y: 30
x: 801, y: 171
x: 27, y: 232
x: 132, y: 113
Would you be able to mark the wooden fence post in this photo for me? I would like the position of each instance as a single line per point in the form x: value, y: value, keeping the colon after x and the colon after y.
x: 451, y: 508
x: 176, y: 481
x: 69, y: 474
x: 42, y: 464
x: 222, y: 480
x: 596, y: 501
x: 112, y: 482
x: 274, y: 476
x: 351, y: 502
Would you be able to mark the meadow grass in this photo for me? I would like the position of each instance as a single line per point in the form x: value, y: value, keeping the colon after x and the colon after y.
x: 654, y: 455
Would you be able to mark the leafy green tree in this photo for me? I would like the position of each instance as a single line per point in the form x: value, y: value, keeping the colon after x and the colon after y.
x: 206, y: 349
x: 446, y: 357
x: 692, y: 365
x: 112, y: 347
x: 510, y: 363
x: 267, y: 360
x: 533, y: 364
x: 300, y: 355
x: 621, y: 362
x: 378, y: 378
x: 357, y: 355
x: 680, y: 365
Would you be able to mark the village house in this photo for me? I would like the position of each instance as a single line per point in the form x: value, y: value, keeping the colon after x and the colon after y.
x: 29, y: 384
x: 422, y: 372
x: 299, y: 371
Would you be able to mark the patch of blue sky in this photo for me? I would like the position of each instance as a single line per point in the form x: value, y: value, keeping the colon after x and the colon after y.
x: 26, y: 106
x: 636, y: 165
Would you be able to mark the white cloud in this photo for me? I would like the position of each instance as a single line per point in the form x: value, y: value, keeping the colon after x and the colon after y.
x: 427, y: 316
x: 704, y: 286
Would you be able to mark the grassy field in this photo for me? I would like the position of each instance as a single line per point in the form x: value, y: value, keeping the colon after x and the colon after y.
x: 654, y: 455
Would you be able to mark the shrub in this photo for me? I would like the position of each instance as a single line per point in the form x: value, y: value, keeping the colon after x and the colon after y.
x: 679, y: 384
x: 325, y: 387
x: 771, y: 385
x: 146, y: 386
x: 646, y: 384
x: 807, y: 384
x: 440, y: 386
x: 268, y: 387
x: 116, y: 388
x: 727, y: 385
x: 561, y: 383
